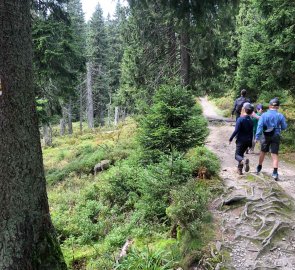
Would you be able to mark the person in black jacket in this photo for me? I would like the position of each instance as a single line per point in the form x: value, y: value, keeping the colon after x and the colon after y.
x: 238, y: 105
x: 244, y: 135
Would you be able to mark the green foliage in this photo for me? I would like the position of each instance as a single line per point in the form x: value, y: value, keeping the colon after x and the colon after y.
x: 174, y: 123
x: 94, y: 216
x: 189, y: 207
x: 120, y: 185
x: 201, y: 159
x: 156, y: 183
x: 266, y: 56
x: 146, y: 259
x: 84, y: 161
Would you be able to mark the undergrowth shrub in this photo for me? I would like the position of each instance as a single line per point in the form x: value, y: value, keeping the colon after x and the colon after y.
x: 84, y: 162
x: 147, y: 259
x: 203, y: 161
x: 119, y: 185
x: 189, y: 207
x: 156, y: 183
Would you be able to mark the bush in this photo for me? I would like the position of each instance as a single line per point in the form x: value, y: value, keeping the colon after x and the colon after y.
x: 155, y: 185
x: 204, y: 163
x: 174, y: 123
x: 119, y: 185
x: 189, y: 207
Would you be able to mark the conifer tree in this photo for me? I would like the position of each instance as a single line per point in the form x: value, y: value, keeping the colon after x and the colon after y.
x: 97, y: 56
x: 173, y: 123
x: 27, y: 237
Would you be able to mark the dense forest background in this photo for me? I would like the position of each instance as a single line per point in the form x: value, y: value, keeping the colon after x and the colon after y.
x: 92, y: 71
x: 123, y: 89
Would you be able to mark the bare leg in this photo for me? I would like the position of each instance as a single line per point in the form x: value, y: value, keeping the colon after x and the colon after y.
x: 261, y: 157
x: 275, y: 160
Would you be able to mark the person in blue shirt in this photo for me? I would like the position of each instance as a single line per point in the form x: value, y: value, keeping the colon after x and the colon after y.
x: 244, y: 136
x: 268, y: 131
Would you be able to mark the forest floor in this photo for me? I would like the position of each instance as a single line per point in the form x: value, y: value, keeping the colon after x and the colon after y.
x: 255, y: 217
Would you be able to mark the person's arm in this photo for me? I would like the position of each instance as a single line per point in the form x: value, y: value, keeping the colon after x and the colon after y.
x: 234, y: 109
x: 283, y: 123
x: 255, y: 115
x: 237, y: 129
x: 259, y: 128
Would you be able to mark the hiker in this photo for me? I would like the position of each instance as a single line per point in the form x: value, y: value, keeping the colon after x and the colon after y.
x: 255, y: 117
x: 238, y: 105
x: 270, y: 124
x: 244, y: 134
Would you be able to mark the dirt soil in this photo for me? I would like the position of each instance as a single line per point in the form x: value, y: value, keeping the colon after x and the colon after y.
x: 255, y: 215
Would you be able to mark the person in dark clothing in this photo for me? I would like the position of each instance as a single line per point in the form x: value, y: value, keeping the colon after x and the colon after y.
x: 244, y: 135
x: 238, y: 105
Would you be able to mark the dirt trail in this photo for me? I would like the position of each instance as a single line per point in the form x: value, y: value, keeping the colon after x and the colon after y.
x: 256, y: 214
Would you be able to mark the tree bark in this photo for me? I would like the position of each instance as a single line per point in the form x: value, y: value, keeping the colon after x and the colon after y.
x: 47, y: 134
x: 172, y: 47
x: 89, y: 108
x: 101, y: 117
x: 27, y: 237
x: 62, y: 121
x: 70, y: 117
x: 116, y: 119
x: 184, y: 57
x: 81, y: 109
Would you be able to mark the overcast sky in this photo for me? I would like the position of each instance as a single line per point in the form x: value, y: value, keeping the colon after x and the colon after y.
x: 108, y: 6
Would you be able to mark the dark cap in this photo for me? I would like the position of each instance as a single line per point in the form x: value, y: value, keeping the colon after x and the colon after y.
x: 274, y: 102
x: 259, y: 107
x: 249, y: 108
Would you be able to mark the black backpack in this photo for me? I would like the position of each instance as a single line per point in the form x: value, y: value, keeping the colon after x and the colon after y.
x: 240, y: 103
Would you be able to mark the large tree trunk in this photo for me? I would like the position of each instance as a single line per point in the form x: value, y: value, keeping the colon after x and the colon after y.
x: 27, y: 237
x: 184, y: 57
x: 89, y: 108
x: 172, y: 45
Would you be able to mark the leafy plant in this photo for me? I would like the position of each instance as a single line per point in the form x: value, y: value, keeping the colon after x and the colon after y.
x: 204, y: 163
x: 189, y: 207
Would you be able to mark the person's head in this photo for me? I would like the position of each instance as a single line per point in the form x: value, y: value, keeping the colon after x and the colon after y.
x: 274, y: 103
x: 243, y: 92
x: 249, y: 108
x: 259, y: 108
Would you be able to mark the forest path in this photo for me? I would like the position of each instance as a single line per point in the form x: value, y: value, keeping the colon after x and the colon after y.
x: 255, y: 215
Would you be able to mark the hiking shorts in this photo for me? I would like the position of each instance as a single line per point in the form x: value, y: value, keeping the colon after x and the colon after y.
x: 270, y: 144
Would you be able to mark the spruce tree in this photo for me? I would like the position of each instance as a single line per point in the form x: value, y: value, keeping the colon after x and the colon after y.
x: 173, y: 123
x: 27, y: 237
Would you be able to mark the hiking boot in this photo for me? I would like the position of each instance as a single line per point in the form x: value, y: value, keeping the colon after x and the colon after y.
x: 247, y: 168
x: 275, y: 176
x: 240, y: 168
x: 258, y: 169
